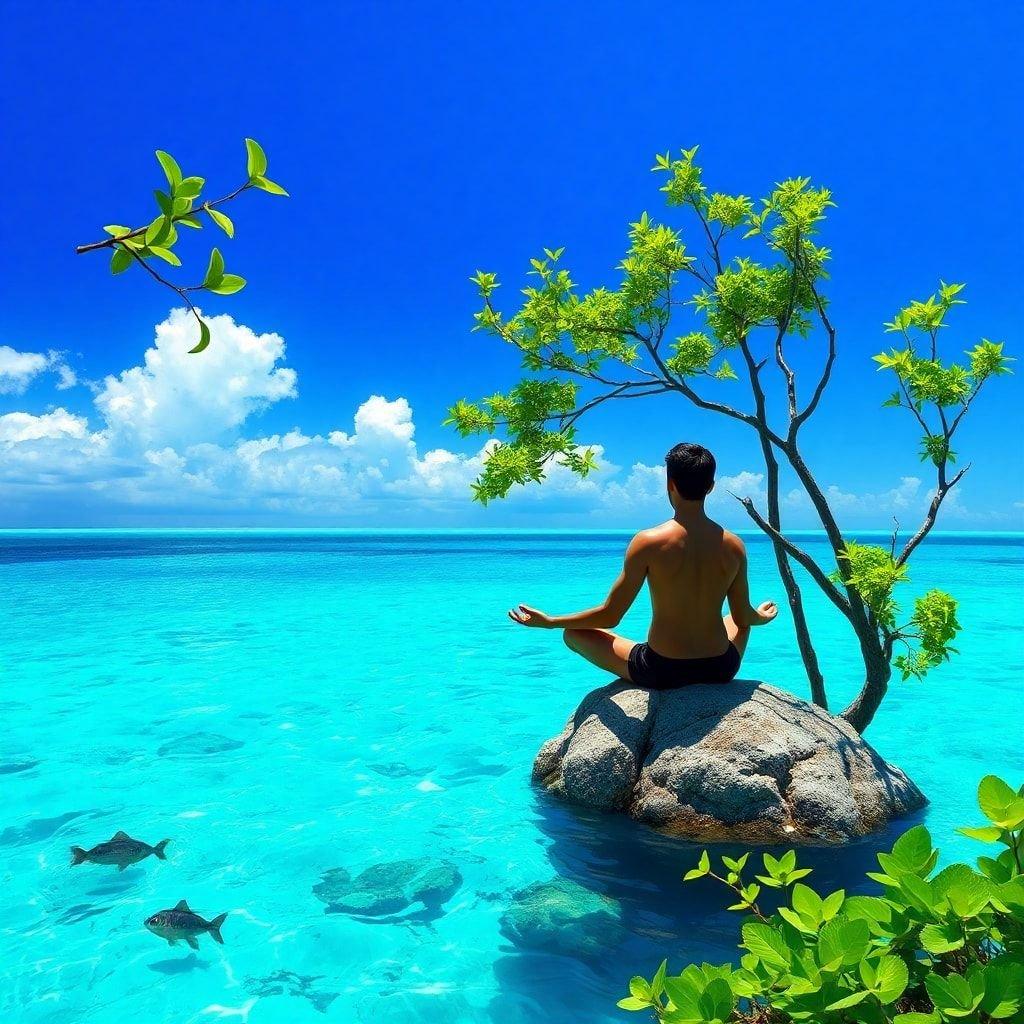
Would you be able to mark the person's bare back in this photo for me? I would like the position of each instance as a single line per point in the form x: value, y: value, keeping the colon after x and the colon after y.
x: 691, y: 566
x: 689, y: 572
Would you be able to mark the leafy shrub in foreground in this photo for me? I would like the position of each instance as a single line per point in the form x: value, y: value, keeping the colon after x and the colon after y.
x: 932, y: 947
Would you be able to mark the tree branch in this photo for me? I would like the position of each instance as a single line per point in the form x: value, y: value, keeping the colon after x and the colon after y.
x: 944, y: 487
x: 826, y: 372
x: 108, y: 243
x: 715, y: 254
x: 798, y: 554
x: 620, y: 392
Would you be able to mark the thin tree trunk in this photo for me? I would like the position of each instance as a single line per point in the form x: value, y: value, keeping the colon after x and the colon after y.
x: 863, y: 707
x: 796, y: 604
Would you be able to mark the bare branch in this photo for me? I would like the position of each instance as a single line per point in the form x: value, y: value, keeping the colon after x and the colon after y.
x: 182, y: 292
x: 714, y: 251
x: 780, y: 358
x: 941, y: 491
x: 620, y: 392
x: 798, y: 554
x: 826, y: 372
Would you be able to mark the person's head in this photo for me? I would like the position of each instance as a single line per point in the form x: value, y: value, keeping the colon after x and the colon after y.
x: 691, y: 473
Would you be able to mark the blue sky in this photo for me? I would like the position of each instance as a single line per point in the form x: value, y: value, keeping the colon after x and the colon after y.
x: 420, y: 142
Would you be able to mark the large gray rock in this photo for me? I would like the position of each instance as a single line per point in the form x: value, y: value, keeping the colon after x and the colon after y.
x: 741, y: 762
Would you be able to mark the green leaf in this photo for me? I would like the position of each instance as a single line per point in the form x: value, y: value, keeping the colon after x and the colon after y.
x: 891, y: 978
x: 228, y: 285
x: 984, y: 834
x: 832, y: 904
x: 702, y: 868
x: 171, y: 169
x: 221, y: 220
x: 117, y: 230
x: 256, y: 163
x: 843, y: 940
x: 120, y: 261
x: 639, y: 988
x: 913, y: 849
x: 189, y: 188
x: 942, y: 938
x: 189, y: 221
x: 165, y: 202
x: 268, y: 186
x: 1004, y: 988
x: 851, y: 1000
x: 951, y: 995
x: 158, y: 231
x: 631, y: 1003
x: 766, y: 943
x: 204, y: 338
x: 716, y: 1001
x: 683, y: 992
x: 999, y: 803
x: 166, y: 255
x: 806, y: 902
x: 215, y: 269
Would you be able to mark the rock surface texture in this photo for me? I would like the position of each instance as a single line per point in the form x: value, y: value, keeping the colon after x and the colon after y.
x: 742, y: 761
x: 389, y: 889
x: 561, y: 916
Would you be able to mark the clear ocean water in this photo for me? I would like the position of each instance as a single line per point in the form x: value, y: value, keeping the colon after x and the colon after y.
x: 279, y: 704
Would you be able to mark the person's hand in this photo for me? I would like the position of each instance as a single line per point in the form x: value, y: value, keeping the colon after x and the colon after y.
x: 527, y: 616
x: 767, y: 610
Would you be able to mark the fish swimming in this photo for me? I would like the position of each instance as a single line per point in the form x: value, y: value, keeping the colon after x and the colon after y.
x: 180, y: 922
x: 119, y: 849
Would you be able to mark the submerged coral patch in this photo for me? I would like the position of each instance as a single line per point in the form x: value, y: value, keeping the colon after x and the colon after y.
x: 390, y: 889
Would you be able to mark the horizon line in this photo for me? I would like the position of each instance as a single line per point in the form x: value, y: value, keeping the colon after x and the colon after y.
x: 413, y: 530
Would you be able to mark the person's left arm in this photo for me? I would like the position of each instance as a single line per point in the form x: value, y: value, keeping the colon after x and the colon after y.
x: 606, y: 615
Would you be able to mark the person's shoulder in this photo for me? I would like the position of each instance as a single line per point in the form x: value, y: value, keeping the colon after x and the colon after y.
x: 733, y: 544
x: 651, y: 538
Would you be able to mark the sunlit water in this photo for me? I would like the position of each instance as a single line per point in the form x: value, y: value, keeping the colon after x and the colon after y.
x: 359, y: 699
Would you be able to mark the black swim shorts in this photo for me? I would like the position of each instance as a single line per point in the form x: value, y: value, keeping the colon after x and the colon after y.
x: 653, y: 671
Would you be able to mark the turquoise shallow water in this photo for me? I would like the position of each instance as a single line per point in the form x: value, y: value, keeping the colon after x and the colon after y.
x: 360, y: 698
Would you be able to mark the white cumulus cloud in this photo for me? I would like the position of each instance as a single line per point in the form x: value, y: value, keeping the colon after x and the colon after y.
x: 19, y: 369
x: 16, y: 427
x: 178, y: 435
x: 175, y: 398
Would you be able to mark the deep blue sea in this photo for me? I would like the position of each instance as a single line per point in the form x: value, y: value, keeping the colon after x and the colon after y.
x: 280, y: 704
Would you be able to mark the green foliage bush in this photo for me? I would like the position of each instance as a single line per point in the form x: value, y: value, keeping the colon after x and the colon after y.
x: 929, y: 948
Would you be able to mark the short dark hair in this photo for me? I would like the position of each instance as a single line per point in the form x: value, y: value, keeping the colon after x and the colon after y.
x: 691, y: 468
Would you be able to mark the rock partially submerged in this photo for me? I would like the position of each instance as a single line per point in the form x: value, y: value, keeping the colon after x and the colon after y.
x: 389, y: 889
x: 561, y: 916
x: 739, y: 762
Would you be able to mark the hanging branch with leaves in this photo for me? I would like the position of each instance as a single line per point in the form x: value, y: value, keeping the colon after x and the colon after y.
x: 180, y: 205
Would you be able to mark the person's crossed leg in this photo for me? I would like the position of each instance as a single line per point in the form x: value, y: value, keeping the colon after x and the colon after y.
x: 610, y: 652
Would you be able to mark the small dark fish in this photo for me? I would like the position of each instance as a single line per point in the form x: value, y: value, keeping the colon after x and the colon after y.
x: 120, y: 849
x: 182, y: 923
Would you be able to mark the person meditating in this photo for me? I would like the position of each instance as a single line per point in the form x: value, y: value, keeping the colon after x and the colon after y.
x: 692, y: 566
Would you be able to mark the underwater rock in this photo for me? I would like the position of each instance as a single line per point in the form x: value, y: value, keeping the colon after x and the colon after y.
x: 288, y: 983
x: 393, y: 887
x: 562, y: 916
x: 198, y: 744
x: 741, y: 762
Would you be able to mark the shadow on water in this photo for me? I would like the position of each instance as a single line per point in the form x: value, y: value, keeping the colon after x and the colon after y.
x: 181, y: 965
x: 641, y: 871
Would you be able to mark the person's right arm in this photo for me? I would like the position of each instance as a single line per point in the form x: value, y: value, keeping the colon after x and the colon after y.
x: 740, y: 608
